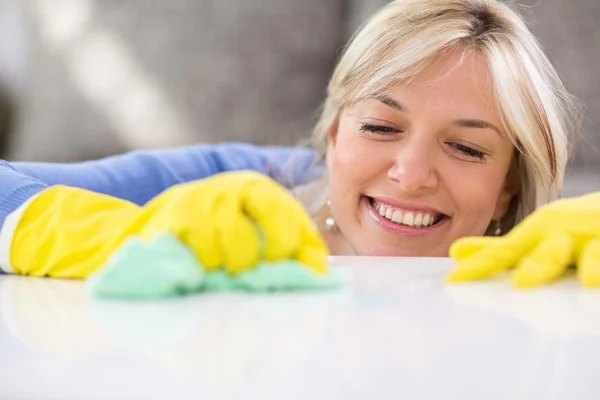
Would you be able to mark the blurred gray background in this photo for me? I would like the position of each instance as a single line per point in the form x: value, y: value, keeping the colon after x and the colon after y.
x: 84, y: 79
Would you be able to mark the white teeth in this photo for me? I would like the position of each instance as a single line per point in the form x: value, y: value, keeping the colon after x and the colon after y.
x: 418, y: 220
x: 426, y: 219
x: 408, y: 219
x: 389, y: 212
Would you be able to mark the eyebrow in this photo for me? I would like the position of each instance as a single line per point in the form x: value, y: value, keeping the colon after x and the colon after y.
x: 477, y: 123
x: 388, y: 101
x: 465, y: 123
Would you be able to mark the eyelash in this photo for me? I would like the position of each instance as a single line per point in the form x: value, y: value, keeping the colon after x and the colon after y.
x: 468, y: 151
x: 386, y: 130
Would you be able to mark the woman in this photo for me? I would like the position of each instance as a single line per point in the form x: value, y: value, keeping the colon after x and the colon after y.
x: 443, y: 119
x: 429, y: 98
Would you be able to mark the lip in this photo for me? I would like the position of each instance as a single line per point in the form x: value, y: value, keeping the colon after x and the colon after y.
x: 402, y: 229
x: 405, y: 206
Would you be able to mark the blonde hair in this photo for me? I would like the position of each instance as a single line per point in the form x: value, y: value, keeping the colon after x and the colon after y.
x: 537, y: 112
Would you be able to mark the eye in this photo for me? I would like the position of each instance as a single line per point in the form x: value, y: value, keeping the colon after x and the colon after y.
x: 381, y: 129
x: 468, y: 151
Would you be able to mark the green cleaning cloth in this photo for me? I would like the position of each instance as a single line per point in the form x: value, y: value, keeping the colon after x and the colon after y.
x: 162, y: 267
x: 165, y: 267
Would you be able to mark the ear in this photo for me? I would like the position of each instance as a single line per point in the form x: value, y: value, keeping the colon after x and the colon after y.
x: 510, y: 189
x: 331, y: 141
x: 502, y: 204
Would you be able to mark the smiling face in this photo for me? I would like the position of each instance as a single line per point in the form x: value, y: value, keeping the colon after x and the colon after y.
x: 422, y: 166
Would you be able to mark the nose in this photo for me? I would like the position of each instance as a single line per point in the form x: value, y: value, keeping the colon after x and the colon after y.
x: 414, y: 168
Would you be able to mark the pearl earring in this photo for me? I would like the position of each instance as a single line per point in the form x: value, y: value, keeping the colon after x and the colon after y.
x: 330, y: 221
x: 498, y: 230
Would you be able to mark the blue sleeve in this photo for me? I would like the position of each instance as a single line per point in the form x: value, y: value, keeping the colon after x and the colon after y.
x: 138, y: 176
x: 15, y: 189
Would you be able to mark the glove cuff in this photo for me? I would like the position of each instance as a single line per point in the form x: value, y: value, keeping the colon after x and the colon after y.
x: 7, y: 233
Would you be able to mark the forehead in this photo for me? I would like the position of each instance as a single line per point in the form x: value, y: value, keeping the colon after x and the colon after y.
x: 456, y: 81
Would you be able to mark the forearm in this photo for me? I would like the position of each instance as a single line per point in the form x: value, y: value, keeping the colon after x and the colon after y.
x: 140, y: 175
x: 137, y: 177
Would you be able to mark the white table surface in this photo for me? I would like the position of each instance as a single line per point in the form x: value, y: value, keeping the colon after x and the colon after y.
x: 398, y: 332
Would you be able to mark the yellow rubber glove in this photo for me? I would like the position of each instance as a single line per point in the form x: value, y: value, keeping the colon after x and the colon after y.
x: 70, y: 232
x: 557, y: 235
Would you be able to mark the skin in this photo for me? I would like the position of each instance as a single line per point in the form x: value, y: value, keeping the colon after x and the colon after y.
x: 421, y: 158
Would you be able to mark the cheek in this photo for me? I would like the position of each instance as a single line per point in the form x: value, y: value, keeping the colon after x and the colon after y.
x: 352, y: 169
x: 352, y: 162
x: 474, y: 192
x: 347, y: 151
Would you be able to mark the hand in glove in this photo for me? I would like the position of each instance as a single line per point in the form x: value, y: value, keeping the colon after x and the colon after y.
x: 70, y: 232
x: 563, y: 233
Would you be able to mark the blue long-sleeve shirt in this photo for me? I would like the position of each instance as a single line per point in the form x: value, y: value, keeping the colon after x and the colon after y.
x: 139, y: 176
